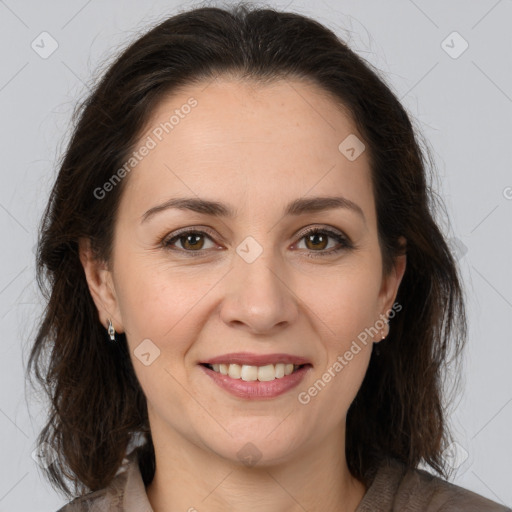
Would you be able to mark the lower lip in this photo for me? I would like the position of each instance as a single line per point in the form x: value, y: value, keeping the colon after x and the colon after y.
x: 256, y: 390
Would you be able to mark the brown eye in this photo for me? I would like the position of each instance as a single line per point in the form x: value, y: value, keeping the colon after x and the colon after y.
x: 190, y: 241
x: 317, y: 241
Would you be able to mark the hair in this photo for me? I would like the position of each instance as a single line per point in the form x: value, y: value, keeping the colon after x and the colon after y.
x: 96, y: 403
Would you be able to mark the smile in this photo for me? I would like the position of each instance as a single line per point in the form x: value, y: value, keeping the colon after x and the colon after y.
x: 250, y: 373
x: 256, y: 382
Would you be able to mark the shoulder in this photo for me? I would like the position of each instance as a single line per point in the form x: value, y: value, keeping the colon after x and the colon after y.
x: 398, y: 488
x: 438, y: 495
x: 93, y: 502
x: 108, y: 499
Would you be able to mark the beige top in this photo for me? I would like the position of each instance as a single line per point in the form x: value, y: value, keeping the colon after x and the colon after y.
x: 393, y: 489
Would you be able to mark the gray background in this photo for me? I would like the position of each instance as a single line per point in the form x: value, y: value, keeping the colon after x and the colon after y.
x: 462, y: 105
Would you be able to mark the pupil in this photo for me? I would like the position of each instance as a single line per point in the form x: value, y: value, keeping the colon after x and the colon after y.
x: 192, y: 237
x: 313, y: 237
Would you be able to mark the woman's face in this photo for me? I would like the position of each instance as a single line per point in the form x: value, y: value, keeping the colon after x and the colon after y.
x: 253, y: 282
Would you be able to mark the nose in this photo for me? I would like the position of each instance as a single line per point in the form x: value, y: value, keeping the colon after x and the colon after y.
x: 259, y: 296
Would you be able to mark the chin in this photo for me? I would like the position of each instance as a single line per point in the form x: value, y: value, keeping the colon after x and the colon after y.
x: 261, y: 447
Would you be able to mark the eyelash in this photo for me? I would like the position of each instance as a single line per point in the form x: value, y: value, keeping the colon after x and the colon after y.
x: 345, y: 242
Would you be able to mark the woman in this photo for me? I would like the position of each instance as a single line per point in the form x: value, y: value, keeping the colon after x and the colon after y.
x: 244, y: 272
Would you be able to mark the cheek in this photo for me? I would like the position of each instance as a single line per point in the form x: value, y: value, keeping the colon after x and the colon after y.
x: 334, y: 386
x: 346, y: 300
x: 155, y: 299
x: 347, y: 312
x: 347, y: 315
x: 158, y: 305
x: 167, y: 307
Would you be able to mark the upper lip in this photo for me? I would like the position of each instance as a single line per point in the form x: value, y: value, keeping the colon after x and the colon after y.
x: 250, y: 359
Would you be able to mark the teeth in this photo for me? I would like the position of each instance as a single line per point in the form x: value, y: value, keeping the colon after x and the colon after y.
x: 279, y: 370
x: 251, y: 373
x: 235, y: 371
x: 265, y: 373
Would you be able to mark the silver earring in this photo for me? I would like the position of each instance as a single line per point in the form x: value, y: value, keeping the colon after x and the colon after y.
x: 387, y: 324
x: 111, y: 331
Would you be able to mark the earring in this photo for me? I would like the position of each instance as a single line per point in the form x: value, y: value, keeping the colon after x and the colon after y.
x: 376, y: 347
x: 111, y: 330
x: 387, y: 325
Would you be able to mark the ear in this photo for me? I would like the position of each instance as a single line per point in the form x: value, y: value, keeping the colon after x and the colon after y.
x: 101, y: 286
x: 391, y: 282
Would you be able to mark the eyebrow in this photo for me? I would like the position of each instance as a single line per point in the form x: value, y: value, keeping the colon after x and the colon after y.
x: 297, y: 207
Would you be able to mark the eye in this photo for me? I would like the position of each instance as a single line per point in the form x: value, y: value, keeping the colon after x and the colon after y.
x: 317, y: 238
x: 192, y: 242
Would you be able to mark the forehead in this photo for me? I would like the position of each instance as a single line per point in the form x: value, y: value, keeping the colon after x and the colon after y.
x: 225, y: 137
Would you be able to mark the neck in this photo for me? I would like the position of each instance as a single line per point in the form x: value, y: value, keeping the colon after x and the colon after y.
x: 190, y: 478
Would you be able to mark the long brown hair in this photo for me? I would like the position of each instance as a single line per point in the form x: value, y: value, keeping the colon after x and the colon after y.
x: 96, y: 402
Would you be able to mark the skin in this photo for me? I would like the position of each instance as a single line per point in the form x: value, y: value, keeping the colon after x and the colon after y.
x: 256, y: 147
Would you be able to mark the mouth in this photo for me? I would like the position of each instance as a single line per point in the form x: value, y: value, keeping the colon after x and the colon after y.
x: 250, y: 373
x: 256, y: 382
